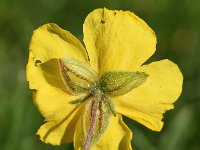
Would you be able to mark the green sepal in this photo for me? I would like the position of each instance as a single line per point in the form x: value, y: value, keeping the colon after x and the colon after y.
x: 81, y: 99
x: 106, y: 114
x: 117, y: 83
x: 108, y: 101
x: 103, y: 114
x: 79, y: 78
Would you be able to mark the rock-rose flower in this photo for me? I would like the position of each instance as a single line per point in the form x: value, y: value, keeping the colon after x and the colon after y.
x: 82, y: 91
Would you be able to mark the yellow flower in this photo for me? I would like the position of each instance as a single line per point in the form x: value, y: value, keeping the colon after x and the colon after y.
x: 82, y: 92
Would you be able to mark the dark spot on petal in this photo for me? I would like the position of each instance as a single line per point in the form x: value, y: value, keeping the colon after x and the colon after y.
x: 88, y: 57
x: 37, y: 62
x: 34, y: 90
x: 102, y: 21
x: 115, y: 13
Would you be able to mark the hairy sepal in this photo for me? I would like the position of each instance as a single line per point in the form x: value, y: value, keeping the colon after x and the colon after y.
x: 79, y: 78
x: 102, y: 112
x: 117, y: 83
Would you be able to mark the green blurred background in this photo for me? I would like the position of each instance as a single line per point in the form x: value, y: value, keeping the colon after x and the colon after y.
x: 177, y: 25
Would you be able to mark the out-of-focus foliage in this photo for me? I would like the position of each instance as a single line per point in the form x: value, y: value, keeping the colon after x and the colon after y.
x: 177, y: 25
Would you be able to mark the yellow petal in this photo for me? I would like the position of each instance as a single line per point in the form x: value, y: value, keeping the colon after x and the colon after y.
x: 60, y: 116
x: 147, y: 103
x: 50, y: 95
x: 116, y: 137
x: 50, y: 41
x: 117, y: 40
x: 52, y: 100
